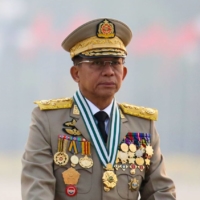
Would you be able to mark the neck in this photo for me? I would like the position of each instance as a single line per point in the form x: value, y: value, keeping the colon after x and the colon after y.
x: 100, y: 102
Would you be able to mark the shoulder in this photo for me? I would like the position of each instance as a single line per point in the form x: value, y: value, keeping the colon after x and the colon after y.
x: 53, y: 104
x: 139, y: 111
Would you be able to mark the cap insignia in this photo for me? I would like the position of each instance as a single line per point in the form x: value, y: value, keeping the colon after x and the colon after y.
x: 106, y: 29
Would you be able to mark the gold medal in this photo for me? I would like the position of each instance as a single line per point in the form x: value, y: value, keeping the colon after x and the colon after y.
x: 149, y: 150
x: 109, y: 179
x: 139, y: 161
x: 61, y: 158
x: 132, y: 148
x: 124, y: 147
x: 74, y: 160
x: 86, y: 162
x: 147, y: 161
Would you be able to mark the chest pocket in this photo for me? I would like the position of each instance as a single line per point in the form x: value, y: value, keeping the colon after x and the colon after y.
x: 85, y: 174
x: 128, y: 185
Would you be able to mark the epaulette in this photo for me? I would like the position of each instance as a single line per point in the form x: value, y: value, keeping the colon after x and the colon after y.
x: 139, y: 111
x: 52, y: 104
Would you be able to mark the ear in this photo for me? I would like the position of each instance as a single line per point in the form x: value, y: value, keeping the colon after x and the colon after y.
x: 75, y: 73
x: 125, y: 70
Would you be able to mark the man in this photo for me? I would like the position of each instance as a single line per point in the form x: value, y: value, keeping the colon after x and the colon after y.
x: 89, y: 146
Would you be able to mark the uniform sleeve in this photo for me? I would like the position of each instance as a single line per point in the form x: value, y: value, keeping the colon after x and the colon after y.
x: 37, y: 180
x: 157, y: 185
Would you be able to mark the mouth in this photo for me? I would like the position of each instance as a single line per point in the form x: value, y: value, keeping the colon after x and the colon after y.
x: 107, y: 84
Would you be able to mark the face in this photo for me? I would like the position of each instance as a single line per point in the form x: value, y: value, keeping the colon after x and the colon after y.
x: 99, y: 81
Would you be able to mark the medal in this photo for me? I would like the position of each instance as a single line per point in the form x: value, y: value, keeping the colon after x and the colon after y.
x: 61, y: 158
x: 71, y: 177
x: 132, y: 148
x: 74, y: 159
x: 149, y: 150
x: 86, y: 162
x: 133, y: 184
x: 139, y: 161
x: 139, y: 153
x: 109, y: 178
x: 123, y: 157
x: 133, y: 167
x: 124, y: 147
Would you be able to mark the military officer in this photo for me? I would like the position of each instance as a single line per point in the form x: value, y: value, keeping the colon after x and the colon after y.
x: 90, y: 146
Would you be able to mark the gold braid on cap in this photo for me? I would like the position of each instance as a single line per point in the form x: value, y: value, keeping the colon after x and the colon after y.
x: 113, y: 45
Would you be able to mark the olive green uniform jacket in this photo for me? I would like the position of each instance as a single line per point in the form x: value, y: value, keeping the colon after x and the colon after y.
x: 42, y: 178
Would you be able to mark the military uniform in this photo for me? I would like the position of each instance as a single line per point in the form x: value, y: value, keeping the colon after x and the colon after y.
x: 58, y: 132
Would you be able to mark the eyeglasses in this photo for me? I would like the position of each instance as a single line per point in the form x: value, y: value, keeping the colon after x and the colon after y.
x: 100, y: 64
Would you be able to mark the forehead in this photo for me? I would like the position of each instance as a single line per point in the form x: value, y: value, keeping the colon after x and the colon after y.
x: 106, y: 58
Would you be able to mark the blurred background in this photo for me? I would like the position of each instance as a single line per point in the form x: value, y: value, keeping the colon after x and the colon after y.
x: 163, y: 72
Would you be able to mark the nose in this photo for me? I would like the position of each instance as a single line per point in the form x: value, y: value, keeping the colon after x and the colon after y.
x: 107, y: 69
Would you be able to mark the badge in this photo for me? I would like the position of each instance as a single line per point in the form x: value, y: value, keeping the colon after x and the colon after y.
x: 70, y: 123
x: 106, y: 29
x: 73, y: 131
x: 71, y: 177
x: 71, y: 190
x: 133, y: 184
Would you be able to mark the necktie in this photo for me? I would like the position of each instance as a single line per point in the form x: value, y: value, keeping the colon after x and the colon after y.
x: 101, y: 116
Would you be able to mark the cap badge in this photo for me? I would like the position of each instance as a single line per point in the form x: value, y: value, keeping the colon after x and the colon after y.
x: 106, y: 29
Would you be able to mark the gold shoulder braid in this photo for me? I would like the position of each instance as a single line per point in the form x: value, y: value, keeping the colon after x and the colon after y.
x: 52, y: 104
x: 139, y: 111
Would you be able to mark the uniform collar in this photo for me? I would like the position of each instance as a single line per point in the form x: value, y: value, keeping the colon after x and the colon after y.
x: 94, y: 109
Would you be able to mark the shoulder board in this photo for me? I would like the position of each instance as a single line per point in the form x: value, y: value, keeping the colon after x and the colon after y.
x: 139, y: 111
x: 53, y: 104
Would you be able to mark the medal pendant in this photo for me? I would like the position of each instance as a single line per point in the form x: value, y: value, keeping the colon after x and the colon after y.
x: 61, y: 158
x: 141, y: 167
x: 109, y: 180
x: 123, y: 157
x: 124, y: 147
x: 132, y: 148
x: 139, y: 161
x: 86, y: 162
x: 74, y: 160
x: 149, y: 150
x: 71, y: 190
x: 139, y: 153
x: 133, y: 167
